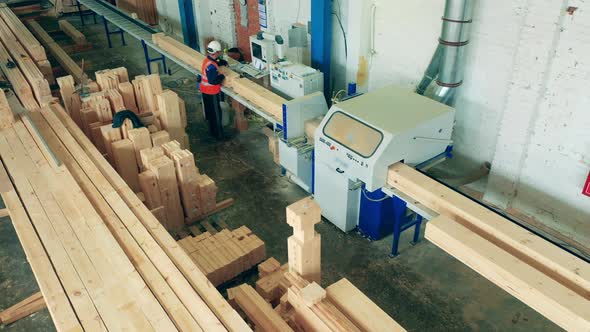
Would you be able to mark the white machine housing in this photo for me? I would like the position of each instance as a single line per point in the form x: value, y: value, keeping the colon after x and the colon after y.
x: 296, y: 112
x: 295, y: 79
x: 263, y: 53
x: 360, y: 138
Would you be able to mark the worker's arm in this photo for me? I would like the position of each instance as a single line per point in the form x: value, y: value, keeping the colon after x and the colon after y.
x: 213, y: 76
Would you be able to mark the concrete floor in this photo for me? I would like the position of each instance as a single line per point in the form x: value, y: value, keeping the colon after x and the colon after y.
x: 424, y: 289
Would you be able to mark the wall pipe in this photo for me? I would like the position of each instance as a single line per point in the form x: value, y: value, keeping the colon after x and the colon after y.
x: 445, y: 71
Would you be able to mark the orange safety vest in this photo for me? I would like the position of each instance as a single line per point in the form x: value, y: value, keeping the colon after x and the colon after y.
x: 206, y: 88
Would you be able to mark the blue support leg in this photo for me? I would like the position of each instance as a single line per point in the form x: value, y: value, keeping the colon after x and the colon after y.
x: 109, y: 33
x: 149, y: 60
x: 321, y: 41
x: 81, y: 13
x: 399, y: 210
x: 419, y: 220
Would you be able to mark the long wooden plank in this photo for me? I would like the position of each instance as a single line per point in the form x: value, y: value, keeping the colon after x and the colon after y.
x: 72, y: 32
x: 164, y: 264
x: 229, y: 317
x: 258, y: 310
x: 74, y: 287
x: 68, y: 64
x: 550, y: 298
x: 25, y: 308
x: 59, y: 307
x: 129, y: 238
x: 116, y: 288
x: 535, y: 251
x: 24, y: 36
x: 19, y: 84
x: 268, y: 101
x: 363, y: 312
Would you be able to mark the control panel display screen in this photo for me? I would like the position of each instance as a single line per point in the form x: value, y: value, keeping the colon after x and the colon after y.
x: 356, y: 136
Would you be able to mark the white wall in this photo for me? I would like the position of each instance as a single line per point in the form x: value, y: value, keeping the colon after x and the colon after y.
x: 524, y: 105
x: 169, y: 17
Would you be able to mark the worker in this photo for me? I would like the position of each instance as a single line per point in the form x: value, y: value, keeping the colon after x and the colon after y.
x: 210, y: 86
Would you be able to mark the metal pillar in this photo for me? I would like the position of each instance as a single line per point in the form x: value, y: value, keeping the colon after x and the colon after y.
x: 321, y: 41
x: 149, y: 60
x: 109, y: 33
x: 189, y: 24
x: 83, y: 13
x: 403, y: 222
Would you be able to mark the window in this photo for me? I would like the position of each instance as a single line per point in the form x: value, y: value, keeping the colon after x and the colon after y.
x: 355, y: 135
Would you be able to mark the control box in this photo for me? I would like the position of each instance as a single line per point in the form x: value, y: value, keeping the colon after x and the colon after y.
x: 295, y: 80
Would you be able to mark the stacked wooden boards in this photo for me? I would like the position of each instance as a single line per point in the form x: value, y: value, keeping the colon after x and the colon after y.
x: 305, y: 244
x: 545, y: 277
x: 267, y: 101
x: 153, y: 160
x: 146, y: 10
x: 22, y: 57
x: 226, y: 254
x: 101, y: 258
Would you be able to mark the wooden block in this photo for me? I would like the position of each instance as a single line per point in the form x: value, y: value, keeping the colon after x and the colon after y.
x: 305, y: 257
x: 110, y: 135
x: 116, y: 100
x: 87, y: 117
x: 128, y: 94
x: 149, y: 154
x: 96, y: 136
x: 268, y: 286
x: 313, y: 294
x: 160, y: 137
x: 126, y: 163
x: 28, y: 306
x: 151, y: 190
x: 164, y: 170
x: 258, y: 310
x: 170, y: 114
x: 359, y: 308
x: 141, y: 140
x: 305, y: 316
x: 302, y: 216
x: 170, y: 147
x: 160, y: 214
x: 186, y: 173
x: 267, y: 267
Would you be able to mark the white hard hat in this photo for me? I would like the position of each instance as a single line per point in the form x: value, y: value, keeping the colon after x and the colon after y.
x: 213, y: 47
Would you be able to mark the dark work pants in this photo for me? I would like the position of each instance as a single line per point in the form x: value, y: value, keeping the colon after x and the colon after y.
x: 213, y: 114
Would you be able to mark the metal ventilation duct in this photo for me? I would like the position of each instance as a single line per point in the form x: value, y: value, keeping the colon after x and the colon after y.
x: 445, y: 72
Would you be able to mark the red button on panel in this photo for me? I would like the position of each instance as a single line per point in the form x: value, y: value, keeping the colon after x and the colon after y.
x: 586, y: 190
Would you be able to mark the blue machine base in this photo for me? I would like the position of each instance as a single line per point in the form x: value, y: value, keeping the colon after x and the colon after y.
x: 376, y: 217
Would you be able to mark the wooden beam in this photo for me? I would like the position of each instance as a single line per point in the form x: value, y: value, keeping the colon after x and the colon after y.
x: 266, y: 100
x: 258, y: 310
x: 363, y: 312
x: 25, y: 308
x: 532, y: 249
x: 72, y: 32
x: 553, y: 300
x: 68, y: 64
x: 32, y: 45
x: 304, y: 246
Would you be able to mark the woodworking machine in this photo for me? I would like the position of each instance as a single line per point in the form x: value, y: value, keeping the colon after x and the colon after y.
x: 346, y: 164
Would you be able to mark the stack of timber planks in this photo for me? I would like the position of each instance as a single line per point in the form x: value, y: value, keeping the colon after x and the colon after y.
x: 267, y: 101
x: 100, y: 257
x: 540, y: 274
x: 305, y: 244
x: 145, y: 10
x: 150, y: 159
x: 22, y: 56
x: 226, y: 254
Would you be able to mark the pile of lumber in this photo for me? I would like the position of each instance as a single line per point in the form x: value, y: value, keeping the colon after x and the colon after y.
x: 153, y: 160
x: 540, y: 274
x: 284, y: 300
x: 226, y: 254
x: 22, y: 59
x: 265, y: 99
x: 145, y: 10
x: 305, y: 244
x: 100, y: 257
